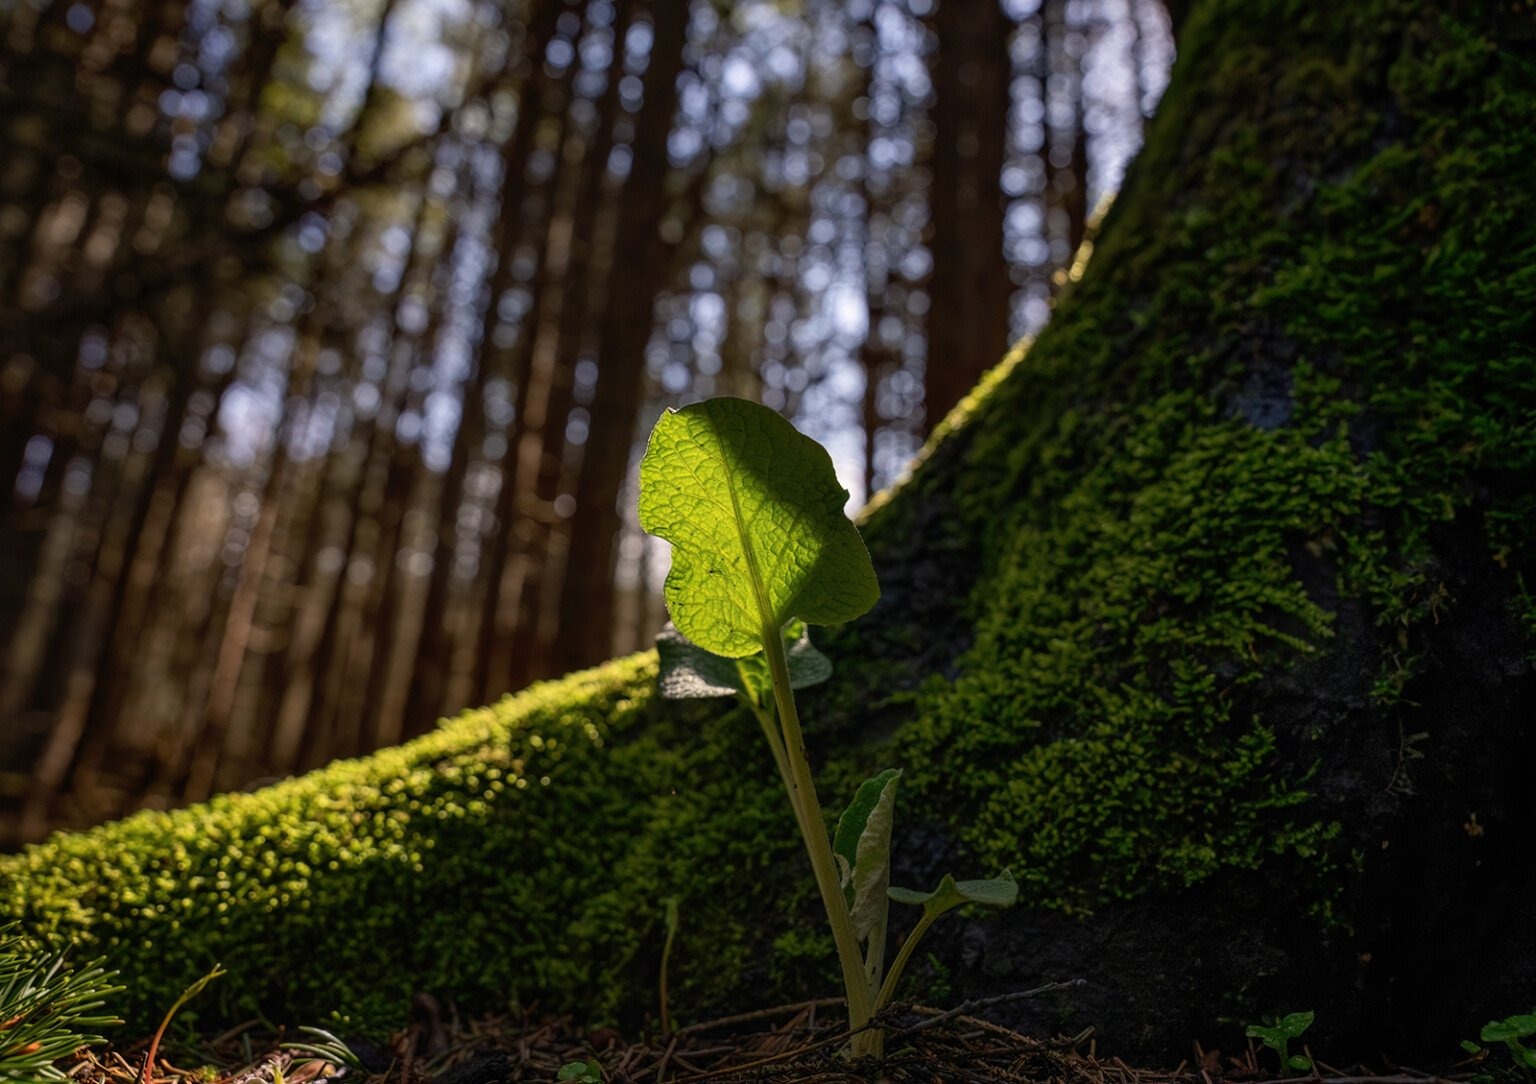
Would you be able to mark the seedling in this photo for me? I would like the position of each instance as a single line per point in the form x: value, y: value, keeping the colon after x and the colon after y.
x: 1513, y: 1032
x: 581, y: 1072
x: 147, y: 1071
x: 761, y: 549
x: 322, y: 1045
x: 1277, y: 1035
x: 666, y: 956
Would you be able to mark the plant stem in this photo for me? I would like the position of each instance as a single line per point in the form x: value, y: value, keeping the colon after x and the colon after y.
x: 874, y: 960
x: 813, y: 830
x: 666, y: 955
x: 870, y: 1041
x: 147, y: 1073
x: 888, y: 989
x: 776, y: 745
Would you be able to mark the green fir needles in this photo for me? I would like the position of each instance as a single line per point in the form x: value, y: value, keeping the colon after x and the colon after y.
x: 47, y: 1010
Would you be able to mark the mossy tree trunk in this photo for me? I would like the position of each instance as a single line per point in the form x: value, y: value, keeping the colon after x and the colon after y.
x: 1208, y: 614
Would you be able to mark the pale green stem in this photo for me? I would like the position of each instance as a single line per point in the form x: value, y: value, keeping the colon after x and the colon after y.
x: 814, y: 831
x: 888, y: 989
x: 867, y: 1043
x: 871, y: 1043
x: 666, y: 956
x: 874, y: 960
x: 776, y: 746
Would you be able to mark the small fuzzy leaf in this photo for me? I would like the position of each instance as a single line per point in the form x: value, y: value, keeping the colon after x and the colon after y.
x: 688, y: 672
x: 1294, y: 1024
x: 1299, y: 1062
x: 862, y: 845
x: 754, y: 513
x: 999, y: 891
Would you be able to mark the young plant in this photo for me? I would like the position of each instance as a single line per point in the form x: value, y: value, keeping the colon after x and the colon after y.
x: 1277, y: 1035
x: 46, y: 1010
x: 666, y: 957
x: 1513, y: 1032
x: 323, y: 1046
x: 147, y: 1070
x: 761, y: 548
x: 581, y: 1072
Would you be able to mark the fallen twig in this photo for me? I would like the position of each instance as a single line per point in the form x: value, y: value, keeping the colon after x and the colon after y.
x: 975, y: 1003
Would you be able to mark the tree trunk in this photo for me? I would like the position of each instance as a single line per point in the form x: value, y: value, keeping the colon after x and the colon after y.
x: 429, y: 688
x: 586, y: 598
x: 546, y: 462
x: 970, y: 286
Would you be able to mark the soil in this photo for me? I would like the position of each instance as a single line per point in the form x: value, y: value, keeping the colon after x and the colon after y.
x: 798, y: 1042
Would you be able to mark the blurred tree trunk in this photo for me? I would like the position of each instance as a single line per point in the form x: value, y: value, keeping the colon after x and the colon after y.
x: 148, y: 477
x: 587, y: 595
x: 970, y: 284
x: 506, y: 662
x: 429, y: 689
x: 200, y: 218
x: 315, y: 646
x: 875, y: 358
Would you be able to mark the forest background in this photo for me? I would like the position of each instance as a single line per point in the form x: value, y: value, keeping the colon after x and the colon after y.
x: 328, y: 328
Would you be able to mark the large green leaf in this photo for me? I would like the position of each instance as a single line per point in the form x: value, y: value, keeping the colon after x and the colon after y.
x: 862, y: 844
x: 688, y: 672
x: 755, y: 517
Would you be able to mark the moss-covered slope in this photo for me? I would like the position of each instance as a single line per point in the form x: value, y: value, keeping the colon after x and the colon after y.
x: 1209, y: 614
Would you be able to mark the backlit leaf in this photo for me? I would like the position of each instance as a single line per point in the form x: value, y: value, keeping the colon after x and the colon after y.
x: 755, y: 516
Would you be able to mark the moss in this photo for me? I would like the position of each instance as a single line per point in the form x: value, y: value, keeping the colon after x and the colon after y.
x: 1241, y: 394
x: 473, y: 861
x: 1304, y: 346
x: 1099, y: 691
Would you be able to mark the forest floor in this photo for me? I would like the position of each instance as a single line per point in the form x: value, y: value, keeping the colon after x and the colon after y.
x: 797, y: 1043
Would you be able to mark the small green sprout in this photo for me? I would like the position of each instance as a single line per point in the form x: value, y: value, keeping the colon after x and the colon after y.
x: 1512, y: 1031
x: 761, y: 549
x: 581, y: 1072
x: 322, y: 1045
x: 1277, y: 1035
x: 671, y: 914
x: 147, y: 1070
